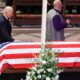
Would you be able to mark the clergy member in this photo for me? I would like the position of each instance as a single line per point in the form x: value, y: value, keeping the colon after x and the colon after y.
x: 55, y: 23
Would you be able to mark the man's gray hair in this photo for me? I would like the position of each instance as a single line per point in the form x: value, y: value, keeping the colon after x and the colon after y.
x: 7, y: 9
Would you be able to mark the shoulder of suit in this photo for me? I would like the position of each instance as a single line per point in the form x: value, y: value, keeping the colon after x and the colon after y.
x: 1, y: 18
x: 52, y: 11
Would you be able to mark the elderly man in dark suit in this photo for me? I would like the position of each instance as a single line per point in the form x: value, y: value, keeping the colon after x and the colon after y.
x: 55, y: 23
x: 5, y: 26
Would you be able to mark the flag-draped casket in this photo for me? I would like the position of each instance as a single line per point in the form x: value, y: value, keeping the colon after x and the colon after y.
x: 22, y: 55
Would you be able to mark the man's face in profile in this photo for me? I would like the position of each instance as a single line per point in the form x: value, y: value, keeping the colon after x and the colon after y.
x: 60, y: 5
x: 10, y: 13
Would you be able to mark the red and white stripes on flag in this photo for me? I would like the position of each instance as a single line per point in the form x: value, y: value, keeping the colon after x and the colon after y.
x: 22, y: 55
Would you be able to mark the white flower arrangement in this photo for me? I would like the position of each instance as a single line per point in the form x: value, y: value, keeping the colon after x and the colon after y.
x: 47, y: 69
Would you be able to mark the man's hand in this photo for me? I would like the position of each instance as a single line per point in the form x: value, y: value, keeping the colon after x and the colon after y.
x: 68, y: 21
x: 17, y: 41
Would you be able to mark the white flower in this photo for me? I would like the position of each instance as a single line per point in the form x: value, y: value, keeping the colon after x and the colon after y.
x: 53, y: 59
x: 28, y: 78
x: 49, y: 70
x: 39, y: 71
x: 39, y: 60
x: 53, y: 78
x: 47, y: 78
x: 59, y: 71
x: 33, y: 73
x: 34, y: 68
x: 28, y: 73
x: 39, y: 76
x: 44, y: 62
x: 43, y: 75
x: 44, y: 71
x: 57, y: 77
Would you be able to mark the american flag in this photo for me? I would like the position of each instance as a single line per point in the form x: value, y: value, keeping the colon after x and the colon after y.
x: 22, y: 55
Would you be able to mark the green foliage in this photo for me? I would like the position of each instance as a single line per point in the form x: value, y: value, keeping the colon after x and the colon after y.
x: 47, y: 69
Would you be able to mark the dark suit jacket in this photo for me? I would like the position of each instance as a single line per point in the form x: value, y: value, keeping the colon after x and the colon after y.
x: 5, y: 30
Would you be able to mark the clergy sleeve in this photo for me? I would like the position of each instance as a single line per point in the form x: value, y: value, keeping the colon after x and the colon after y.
x: 58, y: 23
